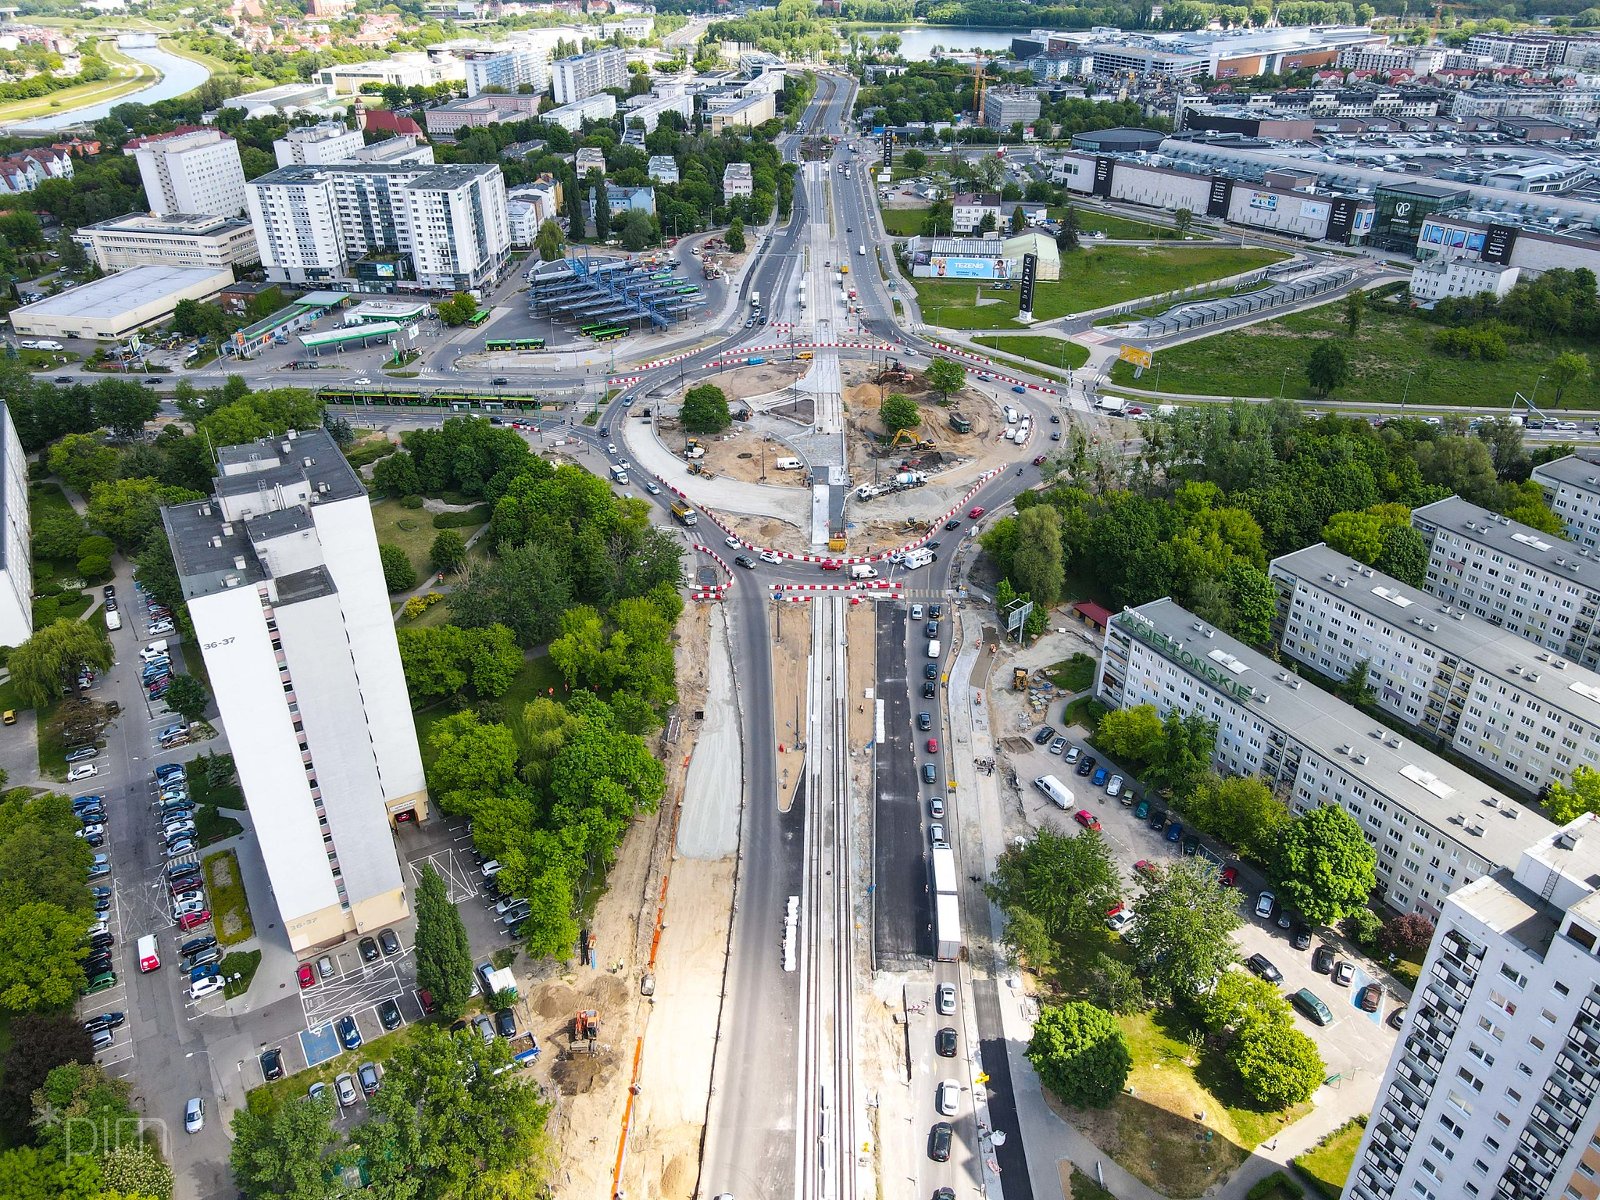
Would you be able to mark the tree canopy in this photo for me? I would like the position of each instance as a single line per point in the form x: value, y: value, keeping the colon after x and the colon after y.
x: 1324, y: 864
x: 1181, y: 933
x: 1080, y: 1054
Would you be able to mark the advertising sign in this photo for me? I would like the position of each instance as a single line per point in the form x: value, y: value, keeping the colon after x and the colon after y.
x: 1221, y: 193
x: 1030, y: 269
x: 952, y: 267
x: 1314, y: 210
x: 1266, y: 200
x: 1497, y: 246
x: 1136, y: 356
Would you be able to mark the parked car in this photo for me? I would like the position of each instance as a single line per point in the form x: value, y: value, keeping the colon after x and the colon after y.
x: 505, y: 1023
x: 1087, y: 765
x: 389, y: 942
x: 349, y: 1032
x: 194, y: 1115
x: 1072, y: 755
x: 924, y: 721
x: 1229, y: 877
x: 1312, y: 1006
x: 1086, y: 818
x: 1264, y: 904
x: 944, y: 1042
x: 947, y: 1097
x: 485, y: 1027
x: 936, y: 808
x: 1141, y: 810
x: 945, y: 999
x: 1174, y: 831
x: 368, y: 1074
x: 1344, y: 972
x: 1057, y: 744
x: 1114, y: 786
x: 305, y: 976
x: 194, y: 920
x: 345, y: 1087
x: 389, y: 1014
x: 1370, y: 997
x: 1045, y: 733
x: 369, y: 949
x: 939, y: 1141
x: 105, y: 1020
x: 1262, y: 966
x: 272, y: 1064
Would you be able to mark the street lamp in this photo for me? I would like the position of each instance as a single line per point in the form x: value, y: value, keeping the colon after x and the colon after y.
x: 1535, y: 395
x: 1283, y: 382
x: 1406, y: 391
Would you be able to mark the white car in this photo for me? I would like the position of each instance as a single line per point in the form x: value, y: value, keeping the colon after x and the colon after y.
x: 362, y: 379
x: 936, y: 833
x: 771, y: 556
x: 1072, y: 755
x: 946, y: 1097
x: 1119, y: 920
x: 732, y: 542
x: 1264, y: 903
x: 82, y: 771
x: 916, y: 612
x: 194, y: 1115
x: 652, y: 488
x: 207, y: 987
x: 1114, y: 786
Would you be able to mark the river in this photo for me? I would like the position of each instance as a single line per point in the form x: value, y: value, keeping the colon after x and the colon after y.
x: 917, y: 42
x: 178, y: 76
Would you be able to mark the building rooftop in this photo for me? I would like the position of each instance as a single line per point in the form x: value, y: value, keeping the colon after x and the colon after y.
x: 423, y: 175
x: 1543, y: 551
x: 1432, y: 789
x: 1490, y: 648
x: 1511, y: 910
x: 114, y: 295
x: 1574, y: 470
x: 172, y: 224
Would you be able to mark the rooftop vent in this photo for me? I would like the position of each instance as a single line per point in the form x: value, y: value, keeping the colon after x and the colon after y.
x: 227, y: 529
x: 1458, y: 819
x: 1211, y: 633
x: 238, y: 563
x: 1566, y: 841
x: 1344, y: 583
x: 1343, y: 750
x: 1361, y: 758
x: 230, y: 581
x: 1491, y: 802
x: 1475, y: 830
x: 305, y: 462
x: 216, y: 543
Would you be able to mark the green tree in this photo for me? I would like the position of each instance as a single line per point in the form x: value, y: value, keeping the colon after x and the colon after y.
x: 398, y: 573
x: 457, y: 310
x: 136, y: 1169
x: 1566, y: 369
x: 494, y: 659
x: 128, y: 510
x: 1327, y: 367
x: 1324, y: 865
x: 1132, y: 735
x: 1117, y: 985
x: 914, y: 159
x: 1188, y: 741
x: 123, y: 406
x: 1278, y: 1065
x: 41, y: 967
x: 938, y: 219
x: 448, y: 554
x: 449, y: 1121
x: 187, y: 697
x: 443, y: 953
x: 1241, y: 811
x: 595, y: 186
x: 39, y: 1044
x: 1565, y: 802
x: 1354, y: 306
x: 705, y: 409
x: 1038, y: 565
x: 735, y: 236
x: 636, y: 230
x: 1182, y: 220
x: 49, y: 662
x: 550, y: 242
x: 1080, y: 1054
x: 899, y: 411
x: 1019, y: 220
x: 1182, y: 934
x: 945, y: 376
x: 1066, y: 882
x: 82, y: 460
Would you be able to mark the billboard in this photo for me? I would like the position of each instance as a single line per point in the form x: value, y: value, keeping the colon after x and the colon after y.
x: 1314, y: 210
x: 1499, y: 243
x: 1265, y: 200
x: 958, y: 267
x: 1221, y: 193
x: 1135, y: 355
x: 1030, y: 268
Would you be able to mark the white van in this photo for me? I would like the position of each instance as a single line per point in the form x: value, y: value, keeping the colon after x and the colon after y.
x: 1059, y: 793
x: 920, y: 557
x: 1011, y: 415
x: 619, y: 474
x: 788, y: 464
x: 863, y: 571
x: 933, y: 647
x: 113, y: 620
x: 154, y: 651
x: 149, y: 959
x: 860, y: 250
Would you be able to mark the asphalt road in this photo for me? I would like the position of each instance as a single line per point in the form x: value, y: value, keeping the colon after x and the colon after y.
x: 900, y: 910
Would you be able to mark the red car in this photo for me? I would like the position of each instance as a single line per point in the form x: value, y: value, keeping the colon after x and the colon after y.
x: 306, y: 976
x: 933, y: 745
x: 1038, y: 458
x: 193, y: 920
x: 1087, y: 819
x: 1229, y: 877
x: 1147, y: 869
x: 832, y: 564
x: 976, y: 511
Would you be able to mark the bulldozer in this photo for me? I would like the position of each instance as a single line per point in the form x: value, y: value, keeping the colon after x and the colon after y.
x: 917, y: 525
x: 894, y: 373
x: 586, y: 1027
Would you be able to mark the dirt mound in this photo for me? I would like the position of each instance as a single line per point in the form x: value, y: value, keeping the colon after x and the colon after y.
x: 578, y: 1072
x: 555, y: 1000
x: 679, y: 1175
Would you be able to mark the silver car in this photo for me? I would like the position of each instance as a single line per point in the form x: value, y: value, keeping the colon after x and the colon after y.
x: 345, y: 1086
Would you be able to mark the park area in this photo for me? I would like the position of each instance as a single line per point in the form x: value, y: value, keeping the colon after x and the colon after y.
x: 1090, y: 279
x: 1041, y: 348
x: 1391, y: 356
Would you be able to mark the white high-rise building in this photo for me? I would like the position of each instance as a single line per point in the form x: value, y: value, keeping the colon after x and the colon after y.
x: 1490, y: 1091
x: 511, y: 67
x: 1433, y: 826
x: 284, y: 585
x: 191, y: 170
x: 1539, y: 586
x: 325, y: 142
x: 384, y: 226
x: 16, y: 562
x: 1496, y: 699
x: 1572, y: 489
x: 583, y: 75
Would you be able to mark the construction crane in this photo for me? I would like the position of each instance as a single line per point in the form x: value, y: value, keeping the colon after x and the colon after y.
x: 979, y: 80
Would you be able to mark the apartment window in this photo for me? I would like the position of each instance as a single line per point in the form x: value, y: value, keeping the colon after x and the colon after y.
x: 1480, y: 1166
x: 1502, y: 1119
x: 1514, y: 975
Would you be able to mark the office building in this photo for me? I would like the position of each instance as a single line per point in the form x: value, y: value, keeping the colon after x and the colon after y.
x: 281, y: 574
x: 1433, y: 826
x: 182, y: 239
x: 572, y: 116
x: 398, y: 70
x: 1004, y: 107
x: 284, y: 99
x: 1537, y: 585
x: 113, y: 306
x: 487, y: 108
x: 746, y: 110
x: 737, y: 180
x: 585, y: 75
x: 1572, y: 489
x: 16, y: 532
x: 512, y: 67
x: 528, y: 207
x: 1442, y: 278
x: 1490, y: 1090
x: 1523, y: 714
x: 383, y: 226
x: 191, y: 170
x: 325, y: 142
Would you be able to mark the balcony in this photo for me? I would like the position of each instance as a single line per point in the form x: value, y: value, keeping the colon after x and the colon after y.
x: 1402, y: 1118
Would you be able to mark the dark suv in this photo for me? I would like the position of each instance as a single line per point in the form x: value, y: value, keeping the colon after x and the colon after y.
x: 1088, y: 764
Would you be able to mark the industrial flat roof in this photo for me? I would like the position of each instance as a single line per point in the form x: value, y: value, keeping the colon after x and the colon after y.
x: 115, y: 295
x: 1546, y: 552
x: 1426, y: 785
x: 1491, y: 649
x: 352, y: 333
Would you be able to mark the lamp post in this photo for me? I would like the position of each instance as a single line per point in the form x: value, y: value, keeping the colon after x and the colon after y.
x: 1405, y: 391
x: 1283, y: 382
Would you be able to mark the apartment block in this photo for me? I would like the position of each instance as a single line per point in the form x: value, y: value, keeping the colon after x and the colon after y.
x: 663, y: 168
x: 969, y: 209
x: 744, y: 111
x: 1490, y: 1090
x: 383, y: 226
x: 1433, y: 826
x: 1572, y: 489
x: 589, y: 158
x: 16, y: 531
x: 1003, y: 107
x: 324, y: 142
x: 585, y: 75
x: 513, y: 67
x: 281, y: 573
x: 1539, y: 586
x: 1449, y: 277
x: 191, y: 170
x: 1524, y: 714
x: 182, y: 239
x: 592, y: 108
x: 737, y: 180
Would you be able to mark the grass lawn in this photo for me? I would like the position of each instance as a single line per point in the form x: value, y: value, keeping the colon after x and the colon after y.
x: 1075, y: 674
x: 1389, y: 348
x: 411, y: 529
x: 242, y: 963
x: 1110, y: 224
x: 538, y: 675
x: 269, y: 1097
x: 1328, y: 1165
x: 1052, y: 351
x: 211, y: 825
x: 230, y: 910
x: 127, y: 76
x: 46, y: 499
x: 903, y: 222
x: 1084, y: 1188
x: 1156, y: 1129
x: 1090, y: 279
x: 215, y: 65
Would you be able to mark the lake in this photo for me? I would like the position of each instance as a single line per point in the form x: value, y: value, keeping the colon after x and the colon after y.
x: 178, y: 76
x: 917, y: 42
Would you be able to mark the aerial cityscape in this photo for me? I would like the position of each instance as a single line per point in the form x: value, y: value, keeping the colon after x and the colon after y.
x: 864, y: 598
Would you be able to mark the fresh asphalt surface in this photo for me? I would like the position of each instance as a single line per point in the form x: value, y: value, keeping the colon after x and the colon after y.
x: 900, y: 910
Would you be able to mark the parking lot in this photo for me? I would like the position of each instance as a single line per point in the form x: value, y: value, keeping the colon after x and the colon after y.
x: 1355, y: 1040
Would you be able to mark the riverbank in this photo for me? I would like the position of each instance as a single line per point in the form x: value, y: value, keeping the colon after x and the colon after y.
x: 164, y: 76
x: 128, y: 77
x: 212, y: 64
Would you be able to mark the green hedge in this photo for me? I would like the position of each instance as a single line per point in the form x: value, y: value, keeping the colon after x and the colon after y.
x: 477, y: 515
x: 1274, y: 1186
x: 370, y: 452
